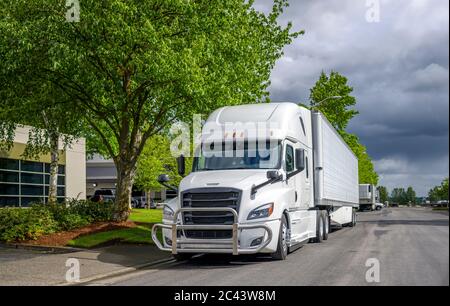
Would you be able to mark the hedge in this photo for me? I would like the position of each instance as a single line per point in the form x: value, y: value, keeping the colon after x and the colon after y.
x: 18, y: 224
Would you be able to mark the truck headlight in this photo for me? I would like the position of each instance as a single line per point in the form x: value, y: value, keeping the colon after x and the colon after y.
x: 168, y: 213
x: 262, y: 211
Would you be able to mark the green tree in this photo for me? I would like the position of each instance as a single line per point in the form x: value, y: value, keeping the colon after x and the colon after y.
x: 155, y: 160
x: 411, y: 195
x: 336, y: 110
x: 383, y: 193
x: 366, y: 171
x: 439, y: 192
x: 133, y: 67
x: 399, y: 196
x: 444, y: 189
x: 434, y: 194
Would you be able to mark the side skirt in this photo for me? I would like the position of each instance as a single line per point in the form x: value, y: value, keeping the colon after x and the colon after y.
x: 297, y: 246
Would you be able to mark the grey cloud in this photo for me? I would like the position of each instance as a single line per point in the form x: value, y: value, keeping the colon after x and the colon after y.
x: 399, y: 69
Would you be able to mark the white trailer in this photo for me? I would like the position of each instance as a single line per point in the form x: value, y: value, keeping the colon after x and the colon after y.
x: 255, y: 190
x: 336, y: 171
x: 368, y: 197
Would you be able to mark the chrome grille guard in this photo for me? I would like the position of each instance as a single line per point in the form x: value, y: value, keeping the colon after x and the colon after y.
x: 230, y: 246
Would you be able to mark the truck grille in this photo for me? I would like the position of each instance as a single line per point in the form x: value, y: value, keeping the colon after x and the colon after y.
x: 210, y: 197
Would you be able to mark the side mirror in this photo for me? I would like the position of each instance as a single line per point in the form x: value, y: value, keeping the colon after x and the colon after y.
x: 163, y: 178
x: 273, y: 175
x: 300, y: 159
x: 181, y: 162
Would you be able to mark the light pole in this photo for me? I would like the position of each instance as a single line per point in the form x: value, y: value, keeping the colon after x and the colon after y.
x: 326, y: 99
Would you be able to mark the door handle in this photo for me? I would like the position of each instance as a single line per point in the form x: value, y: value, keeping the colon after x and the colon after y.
x: 296, y: 196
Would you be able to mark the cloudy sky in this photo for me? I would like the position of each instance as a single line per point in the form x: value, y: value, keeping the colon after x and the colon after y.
x: 399, y: 68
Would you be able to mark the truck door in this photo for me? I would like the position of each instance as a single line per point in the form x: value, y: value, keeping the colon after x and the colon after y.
x: 300, y: 186
x: 305, y: 181
x: 289, y: 167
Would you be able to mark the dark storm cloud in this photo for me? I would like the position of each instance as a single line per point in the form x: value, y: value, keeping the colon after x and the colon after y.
x: 399, y: 69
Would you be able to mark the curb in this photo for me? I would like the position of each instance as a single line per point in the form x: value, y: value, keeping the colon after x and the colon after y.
x: 116, y: 273
x: 43, y: 248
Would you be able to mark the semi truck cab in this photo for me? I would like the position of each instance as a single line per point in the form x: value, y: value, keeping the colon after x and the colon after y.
x: 254, y: 184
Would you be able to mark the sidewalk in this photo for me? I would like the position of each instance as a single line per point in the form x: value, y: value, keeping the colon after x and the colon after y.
x: 38, y: 268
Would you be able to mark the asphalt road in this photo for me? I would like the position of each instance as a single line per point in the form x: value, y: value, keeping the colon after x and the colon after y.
x: 410, y: 244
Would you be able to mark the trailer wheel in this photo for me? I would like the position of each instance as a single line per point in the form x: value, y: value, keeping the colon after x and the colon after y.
x: 326, y: 225
x: 282, y: 247
x: 319, y: 228
x: 182, y: 256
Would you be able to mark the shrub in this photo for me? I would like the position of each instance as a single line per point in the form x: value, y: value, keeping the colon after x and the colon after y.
x: 18, y: 224
x: 97, y: 212
x: 72, y: 221
x: 25, y: 224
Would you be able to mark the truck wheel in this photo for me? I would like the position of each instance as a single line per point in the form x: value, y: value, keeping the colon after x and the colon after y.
x: 319, y: 228
x: 282, y: 247
x: 326, y: 225
x: 182, y: 256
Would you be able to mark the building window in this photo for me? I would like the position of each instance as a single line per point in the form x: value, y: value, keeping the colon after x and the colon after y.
x: 32, y: 190
x: 27, y: 201
x: 60, y: 191
x: 32, y: 166
x: 9, y: 177
x: 31, y: 178
x: 9, y: 189
x: 9, y: 164
x: 24, y: 182
x: 8, y: 201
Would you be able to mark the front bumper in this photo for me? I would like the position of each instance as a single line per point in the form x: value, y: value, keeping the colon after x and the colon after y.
x: 181, y: 244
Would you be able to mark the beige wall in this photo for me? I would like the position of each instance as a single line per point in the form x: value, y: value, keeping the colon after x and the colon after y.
x: 76, y: 170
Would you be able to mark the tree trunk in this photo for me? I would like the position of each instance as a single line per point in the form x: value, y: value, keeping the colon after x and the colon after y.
x: 126, y: 163
x: 53, y: 183
x: 125, y: 180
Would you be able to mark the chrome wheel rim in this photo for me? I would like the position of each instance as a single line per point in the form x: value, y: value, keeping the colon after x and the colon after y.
x: 284, y: 237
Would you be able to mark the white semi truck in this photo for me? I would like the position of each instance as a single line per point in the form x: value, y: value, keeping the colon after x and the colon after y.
x: 301, y: 179
x: 368, y: 197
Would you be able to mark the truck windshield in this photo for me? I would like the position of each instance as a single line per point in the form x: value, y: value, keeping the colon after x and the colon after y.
x: 239, y: 155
